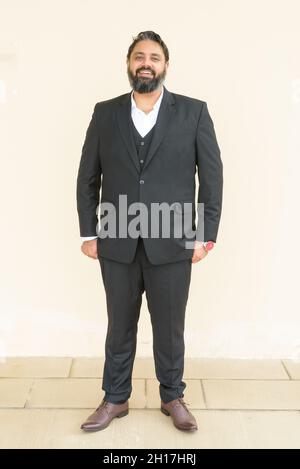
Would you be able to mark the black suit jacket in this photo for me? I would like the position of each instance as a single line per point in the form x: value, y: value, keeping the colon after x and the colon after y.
x: 183, y: 143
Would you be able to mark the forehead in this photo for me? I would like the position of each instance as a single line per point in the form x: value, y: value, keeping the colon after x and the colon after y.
x: 147, y: 47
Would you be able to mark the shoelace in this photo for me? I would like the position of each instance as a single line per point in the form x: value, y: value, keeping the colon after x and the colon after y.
x: 180, y: 401
x: 103, y: 404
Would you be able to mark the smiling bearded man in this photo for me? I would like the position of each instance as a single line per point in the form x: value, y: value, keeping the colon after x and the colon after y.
x: 147, y: 145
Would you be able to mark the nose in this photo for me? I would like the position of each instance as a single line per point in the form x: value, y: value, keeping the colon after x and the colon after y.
x: 146, y: 64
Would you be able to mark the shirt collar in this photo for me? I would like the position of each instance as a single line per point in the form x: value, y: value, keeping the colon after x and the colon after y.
x: 156, y: 105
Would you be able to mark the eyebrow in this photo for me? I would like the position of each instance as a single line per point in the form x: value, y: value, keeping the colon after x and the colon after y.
x: 142, y: 53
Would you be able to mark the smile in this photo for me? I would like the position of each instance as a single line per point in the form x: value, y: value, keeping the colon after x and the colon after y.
x: 145, y: 74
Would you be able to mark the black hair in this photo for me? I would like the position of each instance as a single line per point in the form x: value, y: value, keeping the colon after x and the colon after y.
x: 152, y: 36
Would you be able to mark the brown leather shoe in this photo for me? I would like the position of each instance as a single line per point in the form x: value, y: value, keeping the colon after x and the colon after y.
x: 181, y: 416
x: 103, y: 415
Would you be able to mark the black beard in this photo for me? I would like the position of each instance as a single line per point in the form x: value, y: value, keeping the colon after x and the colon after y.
x: 145, y: 85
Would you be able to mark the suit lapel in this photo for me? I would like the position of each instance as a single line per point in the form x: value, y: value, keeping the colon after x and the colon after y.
x: 123, y: 118
x: 165, y: 114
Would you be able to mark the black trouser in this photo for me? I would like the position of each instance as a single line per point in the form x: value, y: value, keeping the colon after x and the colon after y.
x: 167, y: 288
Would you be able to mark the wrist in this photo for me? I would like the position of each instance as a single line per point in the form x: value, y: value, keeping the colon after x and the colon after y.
x: 88, y: 238
x: 207, y: 245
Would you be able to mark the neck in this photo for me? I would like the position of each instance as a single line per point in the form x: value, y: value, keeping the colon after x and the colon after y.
x: 147, y: 100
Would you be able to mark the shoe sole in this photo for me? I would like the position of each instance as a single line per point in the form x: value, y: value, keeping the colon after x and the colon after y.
x: 192, y: 429
x: 97, y: 429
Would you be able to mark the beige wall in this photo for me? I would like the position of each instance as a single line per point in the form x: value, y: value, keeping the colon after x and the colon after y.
x: 57, y: 59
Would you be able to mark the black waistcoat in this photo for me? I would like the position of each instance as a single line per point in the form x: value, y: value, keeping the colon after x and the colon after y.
x: 141, y: 143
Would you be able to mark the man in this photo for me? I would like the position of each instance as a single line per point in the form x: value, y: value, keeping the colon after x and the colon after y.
x: 147, y: 145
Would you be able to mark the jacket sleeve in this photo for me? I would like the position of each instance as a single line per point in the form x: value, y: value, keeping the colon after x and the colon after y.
x: 89, y: 180
x: 210, y: 176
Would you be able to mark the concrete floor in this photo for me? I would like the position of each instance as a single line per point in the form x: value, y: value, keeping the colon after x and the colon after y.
x: 237, y: 404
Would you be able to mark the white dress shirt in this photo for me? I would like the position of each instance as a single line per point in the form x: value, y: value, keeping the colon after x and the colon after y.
x: 143, y: 123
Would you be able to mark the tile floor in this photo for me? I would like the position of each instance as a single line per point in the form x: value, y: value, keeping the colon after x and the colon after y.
x: 237, y: 404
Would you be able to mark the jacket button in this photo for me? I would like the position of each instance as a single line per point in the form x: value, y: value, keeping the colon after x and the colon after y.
x: 142, y: 181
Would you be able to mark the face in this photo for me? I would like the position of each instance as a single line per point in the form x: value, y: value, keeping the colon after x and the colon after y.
x: 147, y: 67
